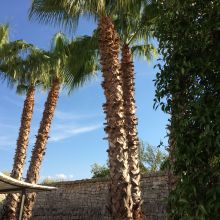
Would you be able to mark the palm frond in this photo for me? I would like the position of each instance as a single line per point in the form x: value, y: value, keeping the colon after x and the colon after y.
x: 14, y: 49
x: 4, y: 34
x: 135, y: 26
x: 150, y: 12
x: 124, y: 6
x: 26, y: 69
x: 67, y: 12
x: 59, y: 43
x: 11, y: 57
x: 21, y: 89
x: 82, y: 62
x: 64, y: 13
x: 148, y: 51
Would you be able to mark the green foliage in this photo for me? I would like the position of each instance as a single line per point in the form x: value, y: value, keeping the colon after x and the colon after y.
x: 66, y: 13
x: 99, y: 170
x: 188, y: 87
x: 21, y: 64
x: 29, y: 65
x: 51, y: 180
x: 151, y: 158
x: 48, y: 181
x: 64, y: 62
x: 81, y: 70
x: 135, y: 29
x: 3, y: 35
x: 55, y: 12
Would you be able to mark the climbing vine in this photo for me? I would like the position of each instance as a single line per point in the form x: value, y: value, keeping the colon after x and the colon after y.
x: 188, y: 88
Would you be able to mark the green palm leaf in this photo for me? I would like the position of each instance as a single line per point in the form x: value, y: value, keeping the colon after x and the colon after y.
x: 55, y: 12
x: 4, y: 38
x: 148, y: 51
x: 66, y: 13
x: 82, y: 62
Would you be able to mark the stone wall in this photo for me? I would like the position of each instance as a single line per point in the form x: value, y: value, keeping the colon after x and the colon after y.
x: 88, y: 199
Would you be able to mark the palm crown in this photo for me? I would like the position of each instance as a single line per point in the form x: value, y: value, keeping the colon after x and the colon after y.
x: 67, y: 12
x: 135, y: 29
x: 73, y: 62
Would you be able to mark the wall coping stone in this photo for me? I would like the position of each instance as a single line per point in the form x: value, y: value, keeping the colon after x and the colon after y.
x: 103, y: 179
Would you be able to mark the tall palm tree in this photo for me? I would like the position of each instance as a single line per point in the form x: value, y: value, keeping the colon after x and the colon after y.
x: 134, y: 30
x: 26, y: 74
x: 68, y: 12
x: 62, y: 71
x: 9, y: 56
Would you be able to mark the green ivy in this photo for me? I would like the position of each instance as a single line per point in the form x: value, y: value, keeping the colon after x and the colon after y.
x: 188, y: 88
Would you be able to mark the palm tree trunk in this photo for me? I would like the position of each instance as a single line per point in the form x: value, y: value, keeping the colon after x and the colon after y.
x: 20, y: 154
x: 120, y: 187
x: 127, y: 69
x: 40, y: 146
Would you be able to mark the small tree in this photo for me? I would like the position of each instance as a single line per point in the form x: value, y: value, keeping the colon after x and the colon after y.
x: 99, y: 170
x: 151, y: 158
x: 187, y: 87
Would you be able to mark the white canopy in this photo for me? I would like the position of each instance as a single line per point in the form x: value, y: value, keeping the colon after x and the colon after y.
x: 11, y: 185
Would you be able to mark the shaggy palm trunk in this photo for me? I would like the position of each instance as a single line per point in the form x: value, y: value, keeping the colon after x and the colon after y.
x: 40, y: 146
x: 127, y: 70
x: 20, y: 154
x: 120, y: 187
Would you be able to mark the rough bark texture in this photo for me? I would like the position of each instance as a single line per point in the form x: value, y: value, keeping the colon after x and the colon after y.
x: 40, y: 146
x: 20, y: 154
x: 127, y: 71
x: 120, y: 187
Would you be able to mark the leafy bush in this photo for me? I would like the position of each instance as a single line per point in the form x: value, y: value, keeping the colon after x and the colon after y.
x: 99, y: 170
x: 48, y: 181
x: 151, y: 158
x: 188, y: 88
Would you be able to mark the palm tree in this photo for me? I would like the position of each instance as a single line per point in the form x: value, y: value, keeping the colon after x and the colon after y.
x: 67, y: 13
x: 134, y: 30
x: 26, y: 74
x: 62, y: 71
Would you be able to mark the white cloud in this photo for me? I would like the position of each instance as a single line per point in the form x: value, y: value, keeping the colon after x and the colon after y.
x: 13, y: 102
x: 64, y: 116
x: 6, y: 142
x: 2, y: 125
x: 59, y: 131
x: 72, y: 115
x: 62, y: 132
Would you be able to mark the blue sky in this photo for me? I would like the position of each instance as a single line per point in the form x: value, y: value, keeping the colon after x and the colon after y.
x: 76, y: 138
